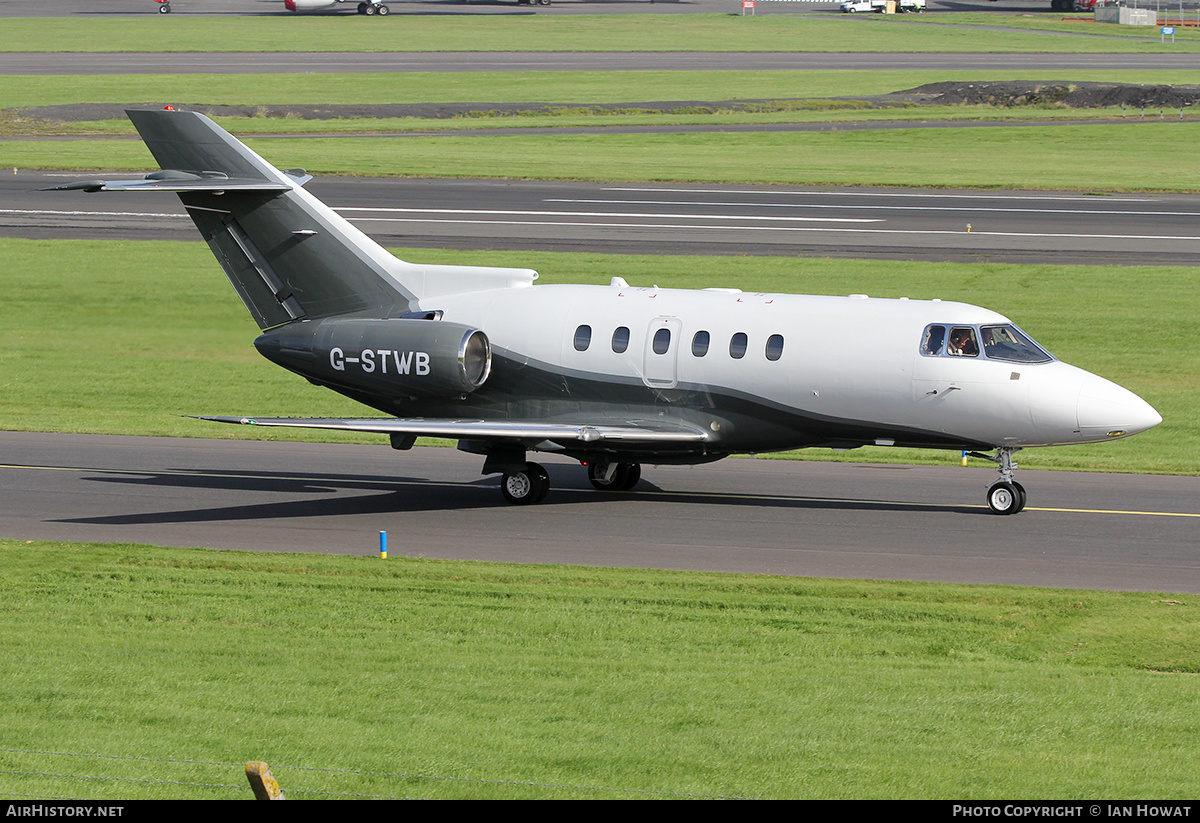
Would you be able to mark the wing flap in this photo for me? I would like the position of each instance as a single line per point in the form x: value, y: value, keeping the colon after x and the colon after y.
x: 631, y: 431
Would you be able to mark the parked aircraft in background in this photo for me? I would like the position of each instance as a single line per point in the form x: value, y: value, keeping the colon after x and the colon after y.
x: 365, y: 8
x: 368, y: 8
x: 371, y: 8
x: 613, y: 375
x: 319, y: 5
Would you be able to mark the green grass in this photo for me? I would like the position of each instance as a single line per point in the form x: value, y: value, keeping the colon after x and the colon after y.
x: 540, y: 681
x: 126, y: 337
x: 1130, y: 156
x: 1064, y: 23
x: 564, y: 87
x: 529, y: 32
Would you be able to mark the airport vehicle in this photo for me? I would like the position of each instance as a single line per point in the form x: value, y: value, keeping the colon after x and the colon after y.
x: 880, y: 6
x: 614, y: 375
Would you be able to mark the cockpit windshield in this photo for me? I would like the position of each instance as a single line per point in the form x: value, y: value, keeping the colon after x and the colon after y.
x: 1008, y: 343
x: 999, y: 342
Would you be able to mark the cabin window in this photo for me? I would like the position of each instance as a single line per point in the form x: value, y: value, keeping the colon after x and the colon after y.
x: 737, y: 346
x: 620, y: 341
x: 583, y: 338
x: 931, y: 343
x: 962, y: 342
x: 775, y: 347
x: 700, y: 344
x: 1008, y: 343
x: 662, y: 341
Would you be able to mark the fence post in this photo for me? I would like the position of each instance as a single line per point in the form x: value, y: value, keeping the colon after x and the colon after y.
x: 265, y: 786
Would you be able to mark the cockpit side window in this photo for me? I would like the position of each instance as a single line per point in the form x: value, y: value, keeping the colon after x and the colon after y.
x: 962, y: 342
x: 931, y: 343
x: 1009, y: 343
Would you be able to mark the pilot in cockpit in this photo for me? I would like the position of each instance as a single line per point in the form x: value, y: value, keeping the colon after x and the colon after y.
x: 962, y: 343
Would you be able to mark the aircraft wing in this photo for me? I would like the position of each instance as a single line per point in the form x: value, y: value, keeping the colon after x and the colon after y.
x: 629, y: 431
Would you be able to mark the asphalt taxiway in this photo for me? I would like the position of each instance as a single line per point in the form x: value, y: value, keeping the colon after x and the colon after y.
x: 1122, y: 532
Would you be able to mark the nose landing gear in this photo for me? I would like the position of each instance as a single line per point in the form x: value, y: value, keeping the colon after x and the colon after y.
x: 1005, y: 496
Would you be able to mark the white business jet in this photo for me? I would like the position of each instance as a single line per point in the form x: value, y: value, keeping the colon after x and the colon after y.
x: 614, y: 375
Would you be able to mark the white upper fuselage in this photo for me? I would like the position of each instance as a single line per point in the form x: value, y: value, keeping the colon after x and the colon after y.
x: 838, y: 358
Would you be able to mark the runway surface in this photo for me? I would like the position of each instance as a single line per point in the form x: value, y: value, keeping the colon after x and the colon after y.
x: 1021, y: 227
x: 1122, y: 532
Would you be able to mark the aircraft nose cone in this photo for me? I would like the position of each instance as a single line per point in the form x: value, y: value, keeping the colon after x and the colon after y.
x: 1106, y: 410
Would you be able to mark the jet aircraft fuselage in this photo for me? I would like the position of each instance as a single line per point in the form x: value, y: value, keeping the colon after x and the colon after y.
x: 614, y: 375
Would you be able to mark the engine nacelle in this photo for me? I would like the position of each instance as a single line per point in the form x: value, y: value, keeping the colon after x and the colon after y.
x: 396, y: 357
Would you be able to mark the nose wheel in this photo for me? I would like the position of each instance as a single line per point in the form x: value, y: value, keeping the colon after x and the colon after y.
x: 1005, y: 496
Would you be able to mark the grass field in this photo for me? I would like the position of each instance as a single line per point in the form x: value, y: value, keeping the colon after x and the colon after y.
x: 1132, y: 156
x: 553, y: 87
x: 442, y: 679
x: 638, y: 32
x: 125, y: 337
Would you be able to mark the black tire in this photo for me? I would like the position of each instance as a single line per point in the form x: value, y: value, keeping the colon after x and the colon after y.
x: 527, y: 486
x: 624, y: 477
x: 1003, y: 498
x: 164, y: 8
x: 383, y: 10
x: 1021, y: 496
x: 370, y: 9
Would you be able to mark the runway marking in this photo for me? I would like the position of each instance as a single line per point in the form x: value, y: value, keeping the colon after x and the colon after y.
x: 613, y: 214
x: 813, y: 229
x: 90, y: 213
x: 930, y: 195
x: 862, y: 207
x: 392, y: 481
x: 627, y: 225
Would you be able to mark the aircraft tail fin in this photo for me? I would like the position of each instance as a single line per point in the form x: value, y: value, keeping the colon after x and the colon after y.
x: 287, y: 254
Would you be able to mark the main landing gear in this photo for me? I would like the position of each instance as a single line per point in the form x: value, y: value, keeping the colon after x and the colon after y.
x: 1005, y: 496
x: 614, y: 477
x: 523, y: 483
x: 373, y: 8
x: 527, y: 485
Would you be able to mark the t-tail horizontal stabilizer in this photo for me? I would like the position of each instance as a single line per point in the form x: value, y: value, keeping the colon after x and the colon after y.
x: 289, y: 256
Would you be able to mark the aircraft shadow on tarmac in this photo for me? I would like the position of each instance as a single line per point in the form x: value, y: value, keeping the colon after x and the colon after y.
x: 398, y: 495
